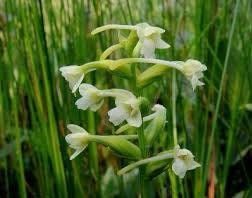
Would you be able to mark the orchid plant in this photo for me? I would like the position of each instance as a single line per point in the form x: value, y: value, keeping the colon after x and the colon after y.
x: 130, y: 108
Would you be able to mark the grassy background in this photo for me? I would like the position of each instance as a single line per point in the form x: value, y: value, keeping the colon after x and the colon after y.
x: 39, y: 36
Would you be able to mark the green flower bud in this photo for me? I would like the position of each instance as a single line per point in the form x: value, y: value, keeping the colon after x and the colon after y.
x: 154, y: 169
x: 156, y: 125
x: 119, y: 145
x: 151, y: 74
x: 130, y: 43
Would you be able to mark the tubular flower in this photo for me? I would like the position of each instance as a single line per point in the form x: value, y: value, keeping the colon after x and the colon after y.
x: 183, y: 161
x: 74, y: 75
x: 91, y: 97
x: 77, y: 140
x: 193, y: 70
x: 149, y: 37
x: 126, y: 109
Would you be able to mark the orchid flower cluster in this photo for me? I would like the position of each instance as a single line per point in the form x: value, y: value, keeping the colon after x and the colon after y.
x: 140, y: 45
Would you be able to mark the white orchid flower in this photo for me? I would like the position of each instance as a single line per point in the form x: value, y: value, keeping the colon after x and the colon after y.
x: 77, y: 140
x: 74, y: 75
x: 149, y: 37
x: 126, y: 109
x: 91, y: 97
x: 193, y: 70
x: 159, y: 112
x: 183, y: 161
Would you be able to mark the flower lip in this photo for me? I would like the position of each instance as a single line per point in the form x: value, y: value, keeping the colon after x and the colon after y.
x: 183, y: 161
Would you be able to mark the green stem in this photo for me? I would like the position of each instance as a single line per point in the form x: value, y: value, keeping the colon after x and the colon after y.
x: 123, y: 61
x: 174, y: 132
x: 110, y: 50
x: 174, y: 116
x: 113, y: 26
x: 145, y: 161
x: 140, y: 132
x: 92, y: 150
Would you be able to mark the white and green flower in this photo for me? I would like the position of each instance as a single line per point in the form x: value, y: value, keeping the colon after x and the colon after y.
x: 149, y: 37
x: 74, y: 75
x: 183, y: 161
x: 91, y: 97
x: 77, y: 140
x: 126, y: 109
x: 193, y: 70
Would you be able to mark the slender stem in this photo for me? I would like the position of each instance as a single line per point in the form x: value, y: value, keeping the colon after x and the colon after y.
x: 110, y: 50
x: 103, y: 64
x: 174, y: 116
x: 113, y: 26
x: 141, y: 137
x: 145, y: 161
x: 127, y: 137
x: 92, y: 150
x: 173, y: 64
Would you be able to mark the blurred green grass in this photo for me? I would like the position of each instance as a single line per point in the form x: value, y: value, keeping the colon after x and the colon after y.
x: 37, y: 37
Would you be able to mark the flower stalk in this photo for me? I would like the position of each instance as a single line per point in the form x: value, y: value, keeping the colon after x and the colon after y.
x: 129, y: 107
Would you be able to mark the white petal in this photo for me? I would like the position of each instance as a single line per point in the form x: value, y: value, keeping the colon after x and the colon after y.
x: 161, y: 44
x: 118, y: 115
x: 179, y: 168
x: 96, y: 106
x: 77, y: 83
x: 192, y: 165
x: 84, y: 87
x: 77, y: 152
x: 76, y: 140
x: 148, y: 31
x: 184, y: 152
x: 140, y: 30
x: 135, y: 120
x: 84, y: 102
x: 148, y: 48
x: 194, y: 82
x: 76, y: 129
x: 200, y: 83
